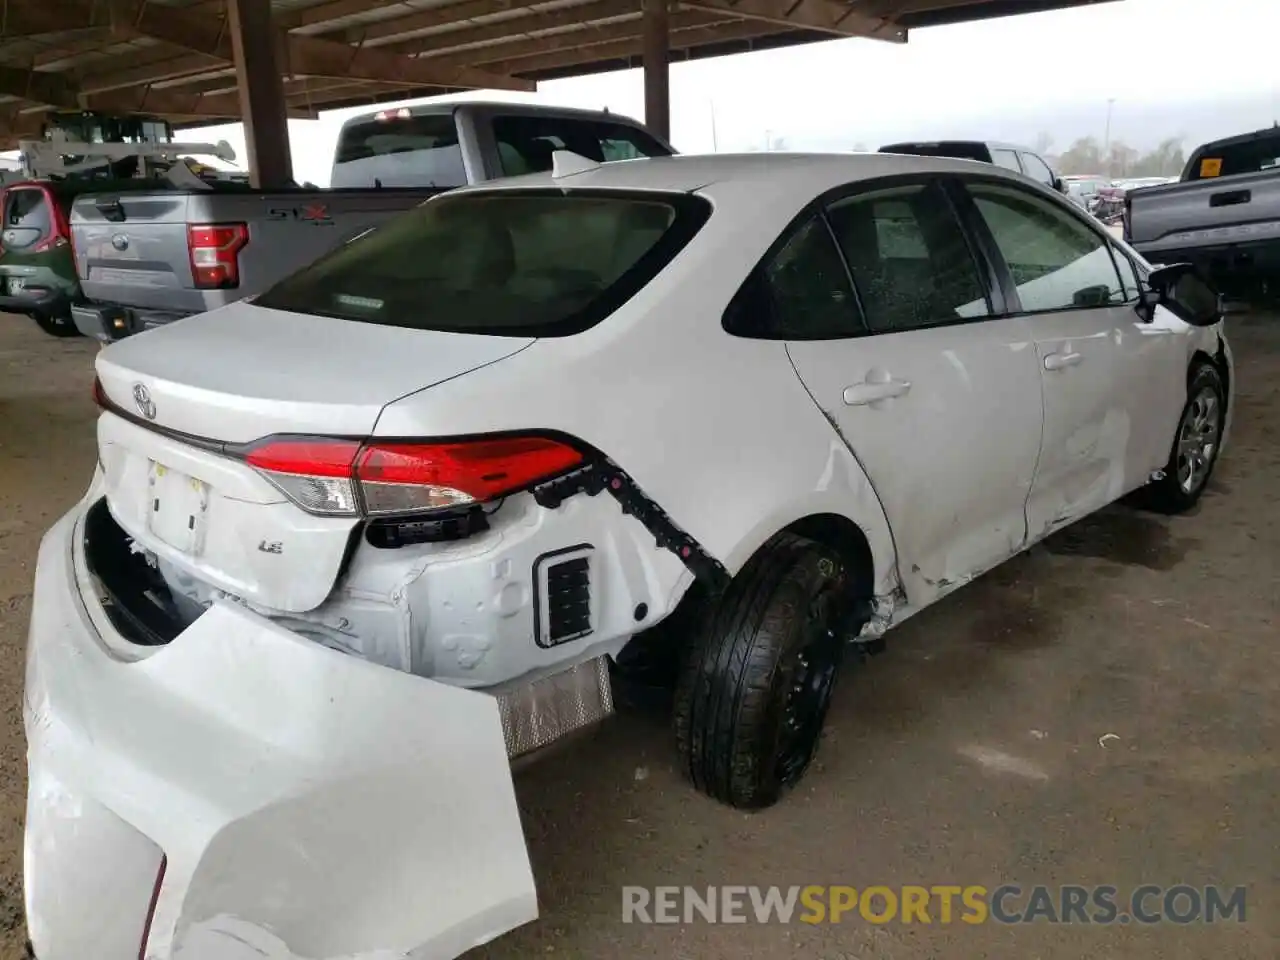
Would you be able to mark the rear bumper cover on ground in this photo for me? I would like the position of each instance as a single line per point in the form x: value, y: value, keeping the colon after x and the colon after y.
x: 303, y: 802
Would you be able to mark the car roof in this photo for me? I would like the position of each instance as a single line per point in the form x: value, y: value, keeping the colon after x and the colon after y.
x: 800, y: 174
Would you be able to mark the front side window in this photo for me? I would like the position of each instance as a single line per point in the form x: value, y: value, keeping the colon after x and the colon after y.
x: 1128, y: 276
x: 909, y: 260
x: 1057, y: 261
x: 526, y: 143
x: 506, y: 262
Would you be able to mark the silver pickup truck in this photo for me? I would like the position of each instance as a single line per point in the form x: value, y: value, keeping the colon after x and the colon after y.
x: 147, y: 258
x: 1223, y: 215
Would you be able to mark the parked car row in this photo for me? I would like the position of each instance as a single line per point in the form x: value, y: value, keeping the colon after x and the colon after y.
x: 354, y: 543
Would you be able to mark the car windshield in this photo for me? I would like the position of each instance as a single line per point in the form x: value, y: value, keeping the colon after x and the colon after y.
x: 505, y: 262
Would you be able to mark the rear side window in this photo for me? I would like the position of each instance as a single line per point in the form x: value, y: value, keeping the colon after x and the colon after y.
x: 399, y: 149
x: 505, y: 262
x: 909, y: 260
x: 1006, y: 158
x: 1057, y: 261
x: 26, y: 218
x: 526, y: 143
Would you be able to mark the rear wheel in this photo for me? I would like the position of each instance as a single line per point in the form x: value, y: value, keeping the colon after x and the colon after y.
x: 754, y: 689
x: 1195, y: 446
x: 56, y: 325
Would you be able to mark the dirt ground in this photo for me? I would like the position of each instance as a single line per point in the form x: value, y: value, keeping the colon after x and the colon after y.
x: 1102, y: 710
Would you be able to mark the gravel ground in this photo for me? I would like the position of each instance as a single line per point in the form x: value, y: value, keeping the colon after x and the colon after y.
x: 1103, y: 709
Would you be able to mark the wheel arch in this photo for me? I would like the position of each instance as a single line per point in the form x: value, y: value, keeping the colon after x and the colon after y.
x: 857, y: 529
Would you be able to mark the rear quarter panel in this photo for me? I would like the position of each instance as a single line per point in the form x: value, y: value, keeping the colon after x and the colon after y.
x: 718, y: 430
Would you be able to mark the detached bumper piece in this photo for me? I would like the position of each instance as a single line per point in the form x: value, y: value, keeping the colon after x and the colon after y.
x: 246, y: 793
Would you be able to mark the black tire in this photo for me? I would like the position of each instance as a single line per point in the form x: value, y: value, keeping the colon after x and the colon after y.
x: 56, y: 325
x: 756, y: 682
x: 1181, y: 488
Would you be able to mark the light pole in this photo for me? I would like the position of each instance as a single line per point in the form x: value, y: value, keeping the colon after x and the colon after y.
x: 1106, y: 140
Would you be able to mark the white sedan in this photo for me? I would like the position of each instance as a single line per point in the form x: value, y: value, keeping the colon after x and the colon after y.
x: 351, y: 547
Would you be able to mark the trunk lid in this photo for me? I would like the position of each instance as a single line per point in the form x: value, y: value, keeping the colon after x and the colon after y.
x: 189, y: 390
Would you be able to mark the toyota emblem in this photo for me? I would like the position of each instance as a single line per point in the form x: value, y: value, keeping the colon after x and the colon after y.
x: 120, y: 241
x: 142, y: 400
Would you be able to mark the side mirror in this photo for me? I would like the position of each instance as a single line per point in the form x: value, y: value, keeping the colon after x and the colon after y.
x: 1059, y: 184
x: 1181, y: 289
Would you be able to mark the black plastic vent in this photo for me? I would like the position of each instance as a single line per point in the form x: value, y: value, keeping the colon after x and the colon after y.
x: 564, y: 608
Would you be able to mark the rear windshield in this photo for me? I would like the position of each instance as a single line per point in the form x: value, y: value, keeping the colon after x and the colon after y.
x: 394, y: 149
x: 504, y: 262
x: 959, y: 149
x: 1227, y: 160
x: 526, y: 143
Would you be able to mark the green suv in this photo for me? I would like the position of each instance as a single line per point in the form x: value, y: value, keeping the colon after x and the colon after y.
x: 37, y: 261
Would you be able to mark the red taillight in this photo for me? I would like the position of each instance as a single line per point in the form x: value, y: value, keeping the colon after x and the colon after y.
x: 347, y: 478
x: 99, y: 394
x: 214, y: 250
x: 59, y: 226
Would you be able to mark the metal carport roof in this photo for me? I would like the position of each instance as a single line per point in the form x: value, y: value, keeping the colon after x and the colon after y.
x: 174, y: 58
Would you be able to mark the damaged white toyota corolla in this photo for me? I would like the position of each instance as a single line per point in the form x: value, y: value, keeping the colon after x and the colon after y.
x: 352, y: 547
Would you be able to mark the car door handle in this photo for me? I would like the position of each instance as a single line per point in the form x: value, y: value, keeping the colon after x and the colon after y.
x: 1060, y: 361
x: 860, y: 394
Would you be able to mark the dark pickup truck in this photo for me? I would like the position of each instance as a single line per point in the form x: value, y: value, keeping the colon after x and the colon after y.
x: 1222, y: 215
x: 147, y: 258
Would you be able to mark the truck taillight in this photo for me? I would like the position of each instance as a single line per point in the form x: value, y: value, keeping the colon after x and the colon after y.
x: 335, y: 477
x: 214, y: 249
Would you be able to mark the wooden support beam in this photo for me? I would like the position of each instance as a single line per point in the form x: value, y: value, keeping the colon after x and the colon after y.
x: 572, y: 40
x: 891, y: 9
x: 164, y: 67
x: 632, y: 48
x: 829, y: 16
x: 262, y: 105
x: 326, y: 12
x: 656, y: 26
x: 302, y: 55
x: 52, y: 89
x: 516, y: 28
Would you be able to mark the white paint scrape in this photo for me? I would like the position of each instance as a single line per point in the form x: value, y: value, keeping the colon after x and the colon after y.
x: 1000, y: 762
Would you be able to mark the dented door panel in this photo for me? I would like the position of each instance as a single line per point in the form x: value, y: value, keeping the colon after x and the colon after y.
x: 308, y: 803
x: 952, y: 457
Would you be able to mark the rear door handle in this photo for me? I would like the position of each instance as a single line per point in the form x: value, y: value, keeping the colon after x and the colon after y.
x: 860, y: 394
x: 1060, y: 361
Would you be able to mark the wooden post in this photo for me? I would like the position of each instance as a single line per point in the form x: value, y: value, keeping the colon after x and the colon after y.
x: 262, y: 102
x: 657, y: 78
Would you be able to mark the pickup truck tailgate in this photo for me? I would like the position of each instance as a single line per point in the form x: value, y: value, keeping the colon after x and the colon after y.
x: 1202, y: 214
x: 132, y: 248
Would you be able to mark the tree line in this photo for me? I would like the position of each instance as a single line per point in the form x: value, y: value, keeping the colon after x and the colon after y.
x: 1086, y: 155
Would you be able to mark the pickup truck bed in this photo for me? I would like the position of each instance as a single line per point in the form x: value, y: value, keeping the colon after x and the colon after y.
x: 149, y: 258
x: 1223, y: 216
x: 137, y: 249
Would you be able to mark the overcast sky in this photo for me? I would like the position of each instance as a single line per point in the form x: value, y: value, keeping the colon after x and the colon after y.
x: 1180, y: 60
